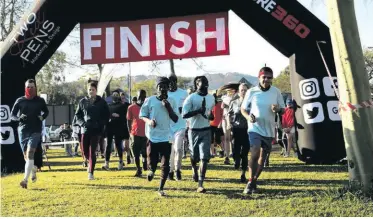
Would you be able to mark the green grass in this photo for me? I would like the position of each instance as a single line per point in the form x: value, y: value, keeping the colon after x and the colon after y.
x: 287, y: 188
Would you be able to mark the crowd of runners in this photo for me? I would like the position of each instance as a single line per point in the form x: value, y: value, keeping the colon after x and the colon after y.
x: 163, y: 127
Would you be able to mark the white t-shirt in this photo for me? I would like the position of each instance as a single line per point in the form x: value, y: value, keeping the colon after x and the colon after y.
x: 194, y: 102
x: 179, y: 96
x: 153, y: 109
x: 259, y: 103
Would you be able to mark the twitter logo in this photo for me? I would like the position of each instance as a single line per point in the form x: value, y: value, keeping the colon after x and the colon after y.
x: 313, y: 113
x: 7, y: 135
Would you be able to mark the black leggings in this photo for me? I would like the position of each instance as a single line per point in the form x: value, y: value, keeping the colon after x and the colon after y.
x: 241, y: 147
x: 155, y: 150
x: 118, y: 145
x: 90, y: 142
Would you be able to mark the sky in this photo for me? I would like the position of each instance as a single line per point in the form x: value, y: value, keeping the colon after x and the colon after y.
x: 246, y: 56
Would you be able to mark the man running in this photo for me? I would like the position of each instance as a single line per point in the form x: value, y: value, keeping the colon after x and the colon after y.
x: 157, y: 112
x: 259, y: 107
x: 217, y: 134
x: 240, y: 138
x: 197, y: 109
x: 177, y: 129
x: 126, y: 143
x: 138, y: 137
x: 92, y: 115
x: 116, y: 128
x: 28, y: 111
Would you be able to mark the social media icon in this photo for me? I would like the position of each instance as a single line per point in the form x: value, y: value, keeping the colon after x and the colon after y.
x: 333, y: 110
x: 313, y: 113
x: 7, y: 135
x: 4, y: 114
x: 328, y: 86
x: 309, y: 88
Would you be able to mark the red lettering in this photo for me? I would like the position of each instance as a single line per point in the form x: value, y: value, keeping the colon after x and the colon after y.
x: 156, y: 39
x: 279, y: 13
x: 290, y: 22
x: 302, y: 31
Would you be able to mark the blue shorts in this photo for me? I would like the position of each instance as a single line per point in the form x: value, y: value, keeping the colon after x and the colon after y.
x: 257, y: 140
x: 199, y: 144
x: 28, y: 139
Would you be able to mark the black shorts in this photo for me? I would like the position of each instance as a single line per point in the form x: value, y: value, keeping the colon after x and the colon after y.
x: 216, y: 134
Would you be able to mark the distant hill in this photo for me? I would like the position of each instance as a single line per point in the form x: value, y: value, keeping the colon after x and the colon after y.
x: 215, y: 80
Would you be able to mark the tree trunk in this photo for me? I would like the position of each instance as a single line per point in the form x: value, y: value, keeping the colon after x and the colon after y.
x: 107, y: 89
x: 172, y: 66
x: 353, y: 88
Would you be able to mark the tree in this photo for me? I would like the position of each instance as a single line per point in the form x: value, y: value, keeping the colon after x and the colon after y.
x: 183, y: 82
x: 11, y: 12
x: 368, y: 59
x: 51, y: 76
x: 353, y: 88
x: 282, y: 81
x: 147, y: 85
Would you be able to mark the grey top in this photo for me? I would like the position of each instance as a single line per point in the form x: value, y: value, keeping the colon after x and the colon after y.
x: 236, y: 119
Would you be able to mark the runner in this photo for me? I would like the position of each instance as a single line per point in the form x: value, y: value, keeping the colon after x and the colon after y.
x: 92, y: 115
x: 126, y: 143
x: 77, y: 136
x: 226, y: 99
x: 158, y: 112
x: 28, y: 111
x: 263, y: 101
x: 288, y: 126
x: 116, y: 128
x: 138, y: 137
x: 177, y: 129
x: 217, y: 134
x: 197, y: 109
x: 240, y: 138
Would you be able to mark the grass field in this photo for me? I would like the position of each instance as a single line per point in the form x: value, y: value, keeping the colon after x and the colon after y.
x: 287, y: 188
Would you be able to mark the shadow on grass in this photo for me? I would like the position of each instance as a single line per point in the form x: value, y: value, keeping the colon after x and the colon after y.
x: 301, y: 182
x: 265, y: 193
x: 123, y: 187
x: 83, y: 169
x: 295, y: 167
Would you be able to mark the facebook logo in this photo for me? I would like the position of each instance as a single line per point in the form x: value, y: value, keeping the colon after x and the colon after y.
x: 328, y: 86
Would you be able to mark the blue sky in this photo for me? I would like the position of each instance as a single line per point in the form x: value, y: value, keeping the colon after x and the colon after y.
x: 246, y: 56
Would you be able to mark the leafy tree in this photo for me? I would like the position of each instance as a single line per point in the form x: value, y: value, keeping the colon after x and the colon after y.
x: 50, y: 78
x: 147, y: 85
x: 282, y: 81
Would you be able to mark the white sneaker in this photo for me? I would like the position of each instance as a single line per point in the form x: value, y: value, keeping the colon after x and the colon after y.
x: 120, y: 166
x: 33, y: 174
x: 90, y: 176
x: 106, y: 167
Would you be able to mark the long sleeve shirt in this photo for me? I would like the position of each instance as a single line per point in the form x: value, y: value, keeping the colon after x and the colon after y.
x: 32, y: 108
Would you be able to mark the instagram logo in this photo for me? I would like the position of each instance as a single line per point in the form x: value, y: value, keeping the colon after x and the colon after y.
x: 4, y: 114
x: 309, y: 88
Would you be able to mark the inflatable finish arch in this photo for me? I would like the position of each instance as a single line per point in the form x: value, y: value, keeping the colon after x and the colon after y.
x: 285, y: 24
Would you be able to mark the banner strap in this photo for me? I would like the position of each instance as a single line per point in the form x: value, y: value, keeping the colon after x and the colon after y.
x: 344, y: 106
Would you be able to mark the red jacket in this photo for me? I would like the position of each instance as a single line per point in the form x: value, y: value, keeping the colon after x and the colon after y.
x: 288, y: 118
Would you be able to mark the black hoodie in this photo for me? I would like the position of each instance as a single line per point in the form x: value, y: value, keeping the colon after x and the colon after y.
x: 92, y: 117
x: 118, y: 124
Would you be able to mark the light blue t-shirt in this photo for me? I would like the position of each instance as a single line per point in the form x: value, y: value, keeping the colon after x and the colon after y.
x: 179, y: 96
x: 259, y: 103
x: 194, y: 102
x: 153, y: 109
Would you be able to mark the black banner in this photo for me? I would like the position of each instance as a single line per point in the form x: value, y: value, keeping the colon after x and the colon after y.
x: 286, y: 24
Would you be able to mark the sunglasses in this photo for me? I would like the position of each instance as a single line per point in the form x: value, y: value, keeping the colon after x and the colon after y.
x: 267, y: 77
